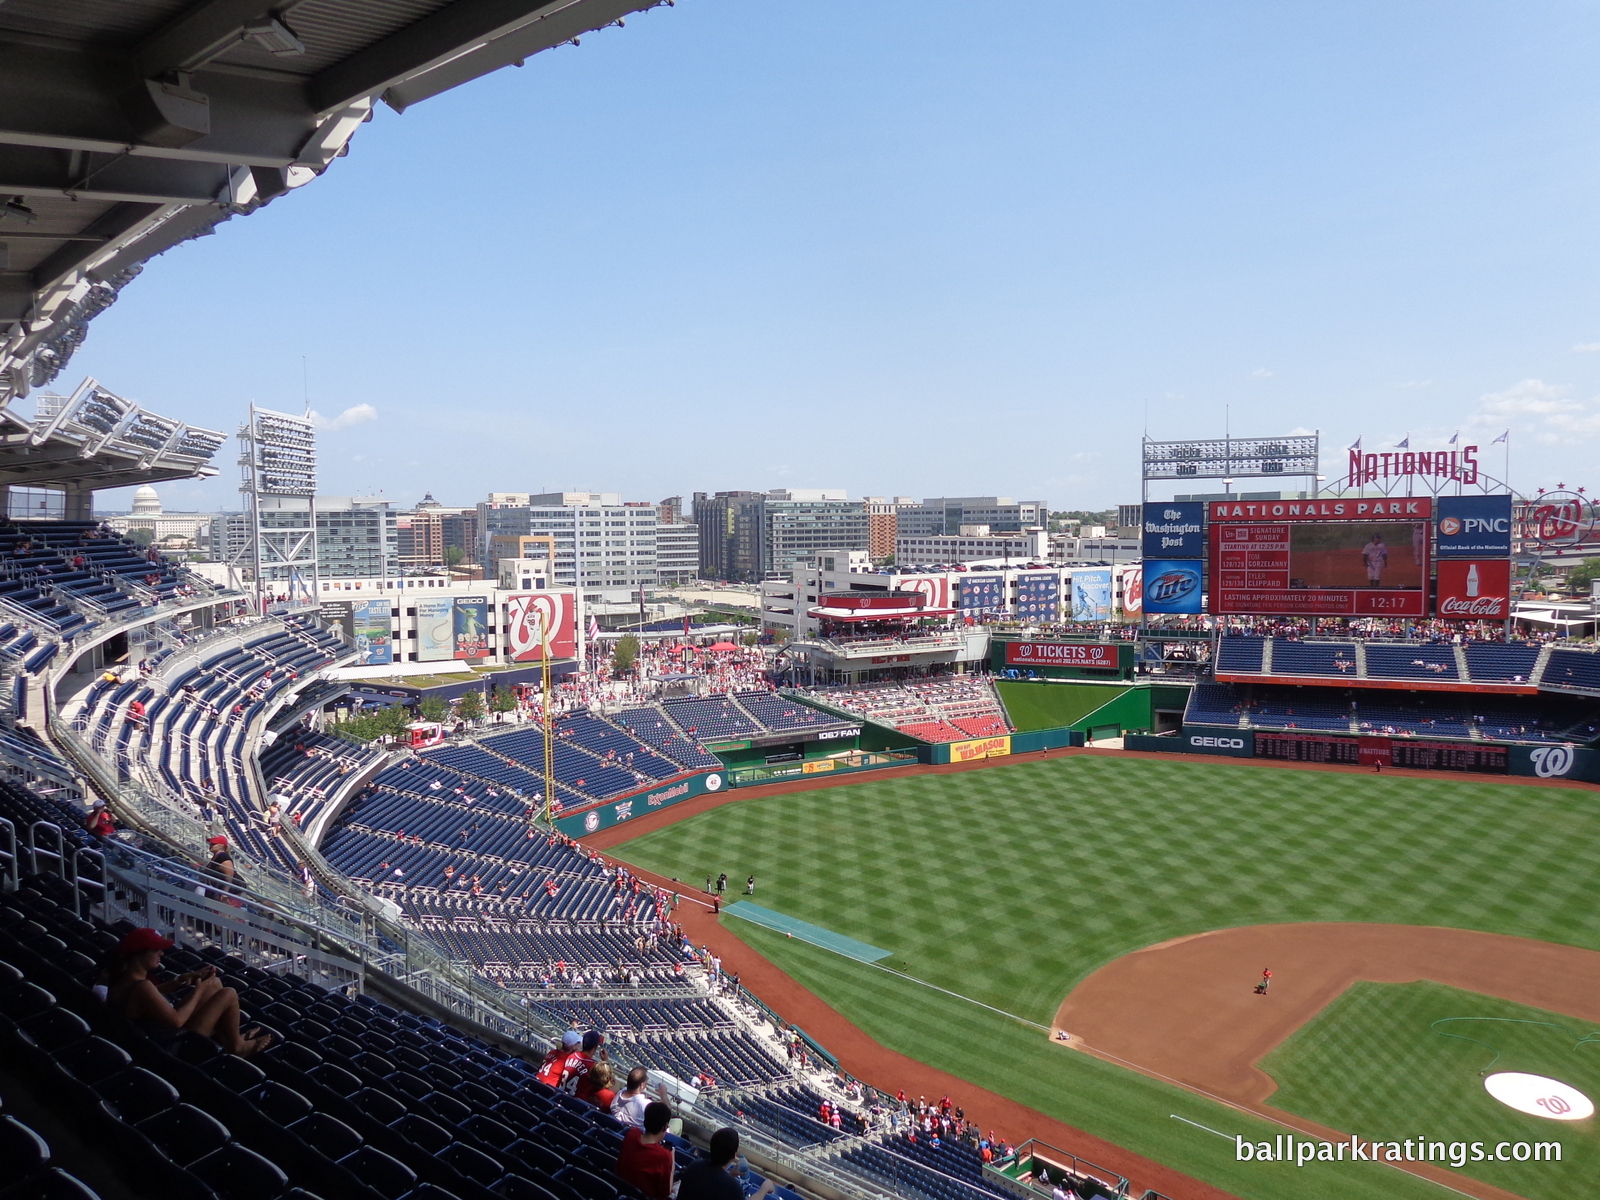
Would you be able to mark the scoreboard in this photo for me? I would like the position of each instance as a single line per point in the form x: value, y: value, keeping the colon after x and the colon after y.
x: 1321, y: 557
x: 1415, y: 754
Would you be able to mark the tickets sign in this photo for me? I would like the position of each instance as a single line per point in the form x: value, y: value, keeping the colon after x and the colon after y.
x: 1097, y: 655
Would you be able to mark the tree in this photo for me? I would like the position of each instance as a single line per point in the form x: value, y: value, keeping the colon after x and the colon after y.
x: 141, y: 537
x: 750, y: 639
x: 1581, y: 576
x: 470, y: 706
x: 454, y: 556
x: 433, y: 709
x: 501, y: 700
x: 626, y: 652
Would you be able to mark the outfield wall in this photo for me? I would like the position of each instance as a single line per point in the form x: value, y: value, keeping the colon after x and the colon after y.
x: 1558, y: 760
x: 615, y: 812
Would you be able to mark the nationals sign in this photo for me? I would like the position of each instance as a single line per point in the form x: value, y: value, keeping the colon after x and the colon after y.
x: 1096, y: 655
x: 1474, y: 589
x: 556, y: 611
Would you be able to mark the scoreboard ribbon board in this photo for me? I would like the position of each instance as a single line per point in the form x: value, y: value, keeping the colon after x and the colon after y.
x: 1414, y: 753
x: 1321, y: 557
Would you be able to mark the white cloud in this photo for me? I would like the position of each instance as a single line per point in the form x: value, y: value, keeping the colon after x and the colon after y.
x: 1586, y: 348
x: 1417, y: 383
x: 1261, y: 373
x: 1300, y: 431
x: 356, y: 414
x: 1547, y: 411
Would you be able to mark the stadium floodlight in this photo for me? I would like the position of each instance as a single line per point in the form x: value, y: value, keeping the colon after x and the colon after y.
x: 1231, y: 458
x: 273, y: 36
x: 15, y: 210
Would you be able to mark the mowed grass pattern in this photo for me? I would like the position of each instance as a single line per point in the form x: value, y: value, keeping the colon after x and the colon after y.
x: 1012, y: 883
x: 1371, y: 1062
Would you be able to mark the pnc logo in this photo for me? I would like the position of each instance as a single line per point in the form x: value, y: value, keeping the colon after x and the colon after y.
x: 1450, y: 526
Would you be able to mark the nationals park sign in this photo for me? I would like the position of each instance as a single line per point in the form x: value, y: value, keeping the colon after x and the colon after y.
x: 1095, y: 655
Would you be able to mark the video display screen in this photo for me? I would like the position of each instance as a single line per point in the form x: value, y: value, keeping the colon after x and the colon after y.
x: 1321, y: 568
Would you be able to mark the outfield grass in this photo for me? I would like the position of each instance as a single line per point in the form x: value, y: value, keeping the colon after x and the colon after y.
x: 1011, y: 884
x: 1053, y: 705
x: 1370, y: 1061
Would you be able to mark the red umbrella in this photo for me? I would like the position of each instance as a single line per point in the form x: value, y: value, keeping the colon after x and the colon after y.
x: 722, y: 646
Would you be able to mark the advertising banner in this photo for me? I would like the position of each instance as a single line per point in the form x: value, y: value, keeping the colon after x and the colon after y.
x: 557, y: 611
x: 935, y: 589
x: 1473, y: 589
x: 1324, y: 566
x: 1474, y: 527
x: 338, y: 614
x: 1236, y: 743
x: 1132, y: 580
x: 615, y: 812
x: 982, y: 594
x: 1174, y: 529
x: 1096, y: 655
x: 470, y: 627
x: 1039, y: 597
x: 371, y: 632
x: 436, y: 631
x: 1091, y: 595
x: 993, y: 747
x: 1172, y: 586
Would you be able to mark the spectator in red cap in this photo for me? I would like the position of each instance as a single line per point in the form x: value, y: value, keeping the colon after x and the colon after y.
x: 210, y: 1009
x: 220, y: 866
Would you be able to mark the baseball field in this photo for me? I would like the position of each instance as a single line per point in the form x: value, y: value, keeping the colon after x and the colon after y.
x: 1001, y: 892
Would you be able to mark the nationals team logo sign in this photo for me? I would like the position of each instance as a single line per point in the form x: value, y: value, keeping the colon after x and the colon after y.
x: 528, y: 615
x: 935, y: 591
x: 1552, y: 762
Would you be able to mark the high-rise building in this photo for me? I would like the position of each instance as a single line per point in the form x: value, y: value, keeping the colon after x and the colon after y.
x: 429, y: 533
x: 357, y: 538
x: 601, y: 544
x: 749, y: 536
x: 729, y: 524
x: 670, y: 511
x: 797, y: 523
x: 945, y: 515
x: 883, y: 524
x: 677, y: 553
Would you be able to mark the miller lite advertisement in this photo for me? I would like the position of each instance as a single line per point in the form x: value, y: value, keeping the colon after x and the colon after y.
x: 1474, y: 589
x: 526, y: 616
x: 1172, y: 586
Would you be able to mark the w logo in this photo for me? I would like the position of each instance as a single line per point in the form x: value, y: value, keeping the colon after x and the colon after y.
x: 1552, y: 762
x: 1553, y: 1104
x: 531, y: 618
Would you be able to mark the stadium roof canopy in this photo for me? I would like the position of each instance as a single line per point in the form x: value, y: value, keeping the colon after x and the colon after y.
x: 96, y: 439
x: 129, y: 126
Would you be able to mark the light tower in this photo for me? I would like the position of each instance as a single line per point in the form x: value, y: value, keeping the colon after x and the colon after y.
x: 278, y: 468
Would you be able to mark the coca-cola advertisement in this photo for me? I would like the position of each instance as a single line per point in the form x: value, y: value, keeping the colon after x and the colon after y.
x: 1474, y: 589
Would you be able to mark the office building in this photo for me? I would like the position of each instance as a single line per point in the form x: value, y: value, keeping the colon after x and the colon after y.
x: 601, y: 545
x: 947, y: 514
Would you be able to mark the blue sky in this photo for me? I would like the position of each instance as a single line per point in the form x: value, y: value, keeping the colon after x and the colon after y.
x: 920, y: 247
